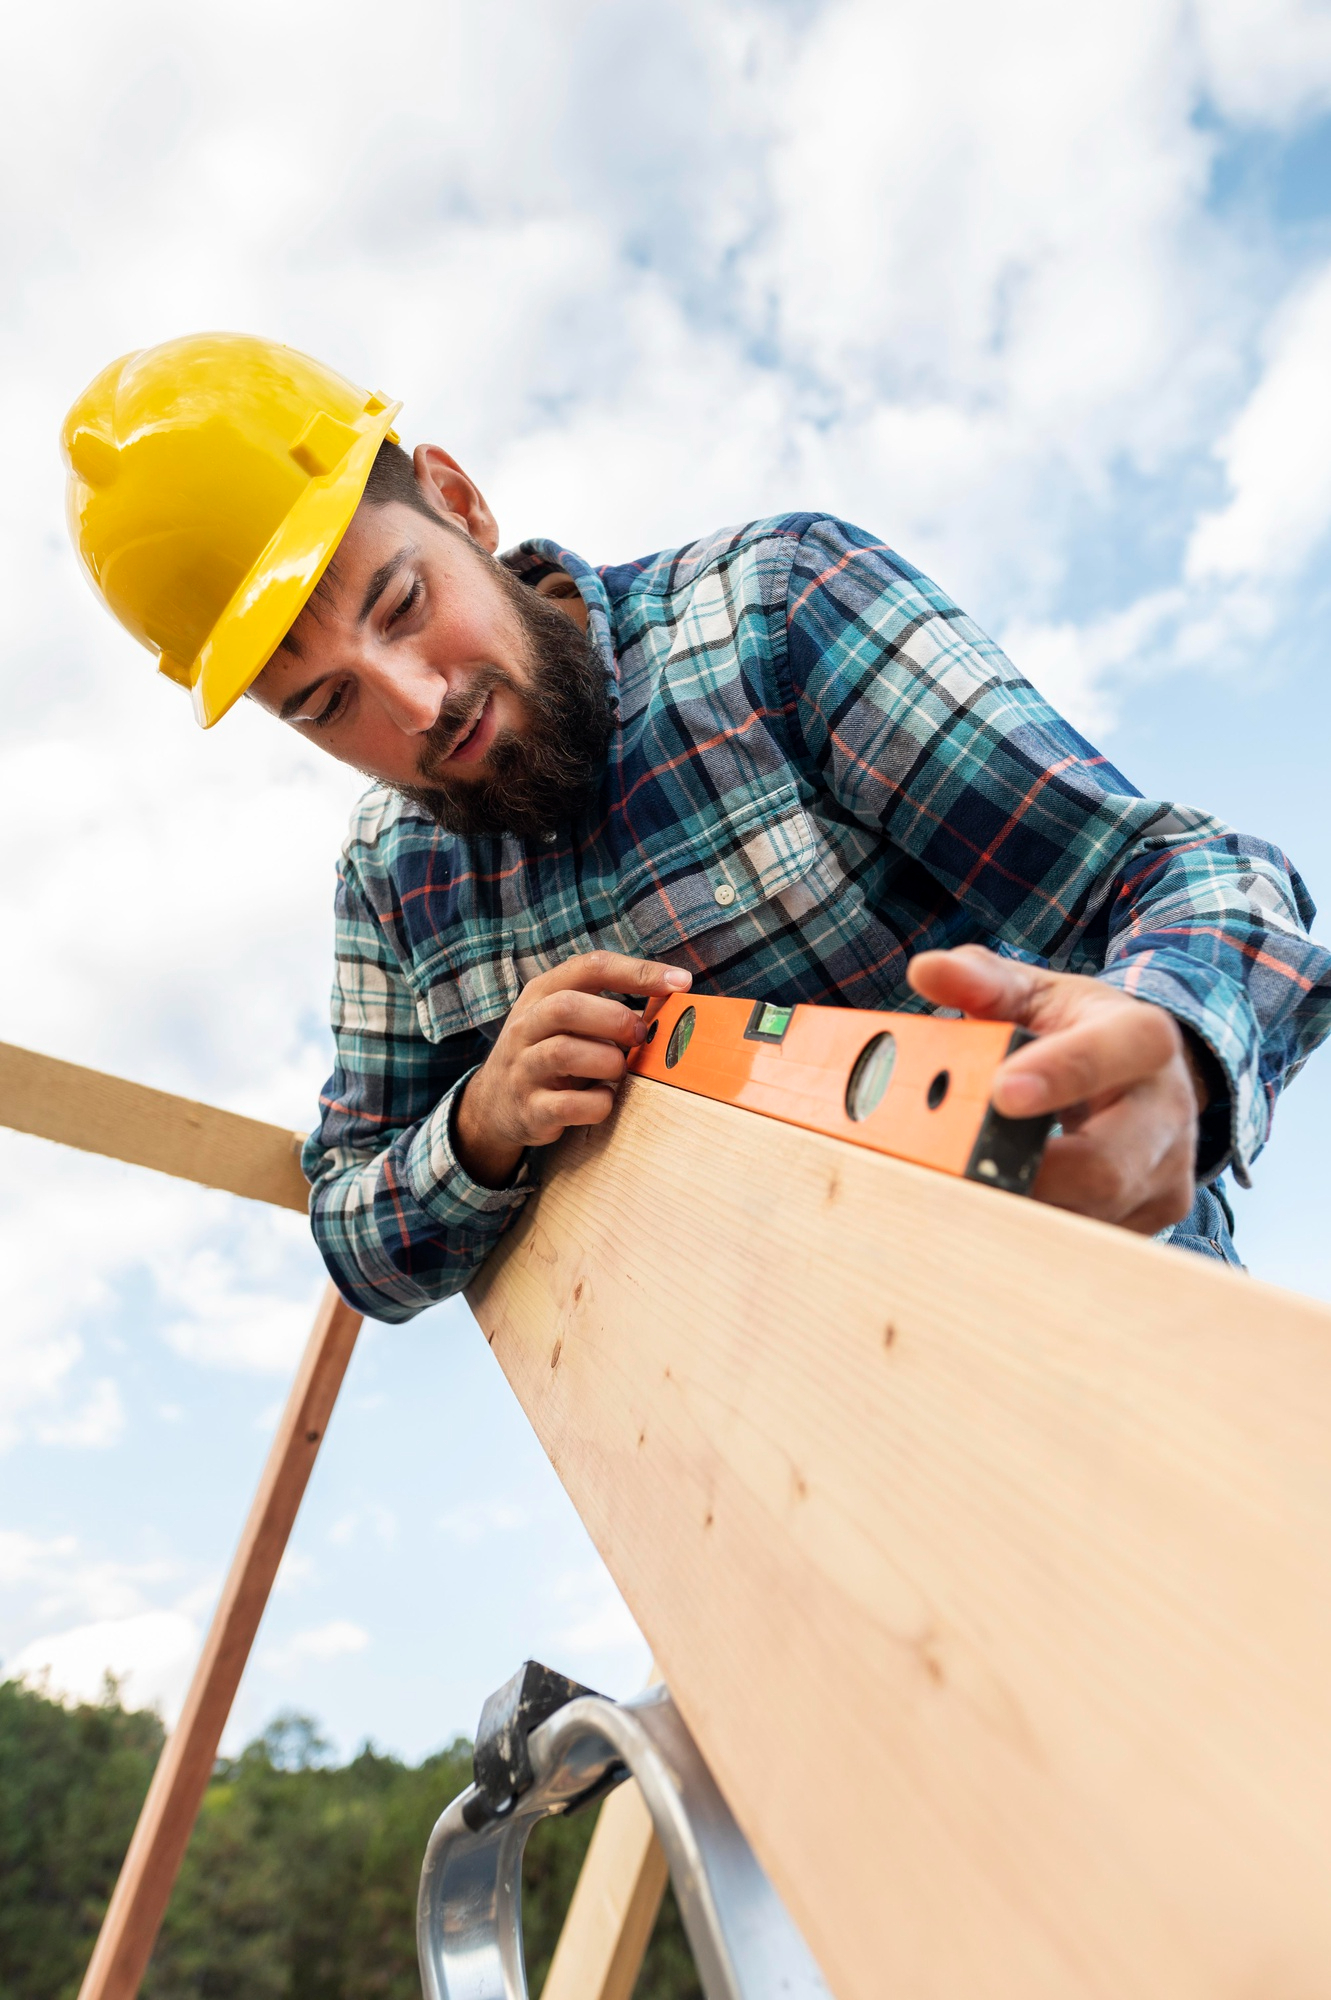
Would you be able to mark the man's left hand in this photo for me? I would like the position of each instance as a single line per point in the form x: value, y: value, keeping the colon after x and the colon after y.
x: 1115, y: 1071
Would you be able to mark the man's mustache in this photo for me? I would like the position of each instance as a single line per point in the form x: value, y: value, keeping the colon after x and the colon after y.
x: 457, y: 714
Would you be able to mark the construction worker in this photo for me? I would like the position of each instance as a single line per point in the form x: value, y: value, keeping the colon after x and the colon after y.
x: 778, y: 762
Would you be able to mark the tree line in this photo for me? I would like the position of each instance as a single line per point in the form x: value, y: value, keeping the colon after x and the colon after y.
x: 300, y: 1881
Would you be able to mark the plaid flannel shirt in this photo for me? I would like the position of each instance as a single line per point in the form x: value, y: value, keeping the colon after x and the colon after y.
x: 821, y: 767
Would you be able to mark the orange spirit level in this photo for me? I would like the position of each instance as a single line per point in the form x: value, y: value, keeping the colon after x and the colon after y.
x: 912, y: 1085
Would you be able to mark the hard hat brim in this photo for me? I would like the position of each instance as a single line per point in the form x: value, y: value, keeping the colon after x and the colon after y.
x: 279, y: 585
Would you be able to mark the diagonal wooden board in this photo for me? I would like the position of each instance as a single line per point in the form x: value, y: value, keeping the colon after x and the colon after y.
x: 150, y: 1128
x: 987, y: 1551
x: 129, y: 1929
x: 984, y: 1548
x: 618, y: 1893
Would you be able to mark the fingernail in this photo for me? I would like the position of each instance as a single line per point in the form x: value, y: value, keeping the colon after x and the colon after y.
x: 677, y: 980
x: 639, y: 1032
x: 1021, y: 1096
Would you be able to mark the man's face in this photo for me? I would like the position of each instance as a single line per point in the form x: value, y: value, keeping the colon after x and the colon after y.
x: 423, y: 663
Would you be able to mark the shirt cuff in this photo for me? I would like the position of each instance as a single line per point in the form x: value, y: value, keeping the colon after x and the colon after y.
x: 440, y: 1182
x: 1218, y: 1012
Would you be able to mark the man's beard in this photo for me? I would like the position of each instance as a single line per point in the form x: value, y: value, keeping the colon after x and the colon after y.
x: 535, y: 782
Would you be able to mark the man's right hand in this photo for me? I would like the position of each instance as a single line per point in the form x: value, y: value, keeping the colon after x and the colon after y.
x: 557, y: 1060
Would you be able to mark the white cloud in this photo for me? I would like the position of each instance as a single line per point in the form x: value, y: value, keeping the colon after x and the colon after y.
x: 598, y: 1619
x: 294, y: 1571
x: 225, y: 1319
x: 476, y: 1520
x: 1076, y: 665
x: 150, y: 1654
x: 1277, y: 454
x: 62, y: 1580
x: 1267, y: 63
x: 379, y: 1520
x: 24, y: 1557
x: 332, y: 1641
x: 233, y: 1285
x: 71, y: 1616
x: 95, y: 1424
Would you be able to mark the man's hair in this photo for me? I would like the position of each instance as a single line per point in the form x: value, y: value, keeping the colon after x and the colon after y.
x: 393, y: 477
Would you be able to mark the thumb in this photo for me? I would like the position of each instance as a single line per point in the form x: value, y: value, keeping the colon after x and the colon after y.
x: 980, y: 983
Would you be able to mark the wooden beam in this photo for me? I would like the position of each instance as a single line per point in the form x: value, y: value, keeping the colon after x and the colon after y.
x: 150, y: 1128
x: 129, y: 1929
x: 986, y: 1550
x: 997, y: 1588
x: 618, y: 1893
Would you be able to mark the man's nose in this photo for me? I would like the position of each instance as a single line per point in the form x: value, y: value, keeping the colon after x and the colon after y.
x: 411, y: 695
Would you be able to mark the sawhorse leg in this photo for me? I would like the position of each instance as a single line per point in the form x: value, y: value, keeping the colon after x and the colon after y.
x: 614, y: 1906
x: 134, y: 1916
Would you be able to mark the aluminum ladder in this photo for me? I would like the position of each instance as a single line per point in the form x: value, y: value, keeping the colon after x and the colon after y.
x: 546, y: 1745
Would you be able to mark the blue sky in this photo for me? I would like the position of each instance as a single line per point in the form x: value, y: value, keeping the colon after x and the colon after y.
x: 1041, y: 294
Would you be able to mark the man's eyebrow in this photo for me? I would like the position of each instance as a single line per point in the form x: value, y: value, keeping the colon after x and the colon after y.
x: 374, y: 590
x: 384, y: 575
x: 295, y: 701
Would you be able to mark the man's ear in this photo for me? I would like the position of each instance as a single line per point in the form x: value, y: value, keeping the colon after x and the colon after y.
x: 448, y: 488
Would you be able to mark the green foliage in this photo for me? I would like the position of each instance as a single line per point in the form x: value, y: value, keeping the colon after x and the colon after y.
x: 550, y: 1869
x: 71, y: 1782
x: 300, y: 1881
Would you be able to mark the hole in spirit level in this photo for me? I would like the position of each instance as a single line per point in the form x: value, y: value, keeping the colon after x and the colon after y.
x: 871, y: 1075
x: 681, y: 1036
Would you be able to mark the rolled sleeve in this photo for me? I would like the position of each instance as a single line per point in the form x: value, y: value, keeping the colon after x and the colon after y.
x: 1220, y: 1014
x: 441, y: 1184
x: 398, y: 1220
x: 1213, y: 927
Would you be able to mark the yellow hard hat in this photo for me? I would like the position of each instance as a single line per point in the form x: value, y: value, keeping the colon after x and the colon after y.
x: 210, y: 481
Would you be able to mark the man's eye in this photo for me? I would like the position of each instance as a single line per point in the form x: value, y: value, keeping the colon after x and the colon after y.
x: 408, y: 603
x: 332, y: 708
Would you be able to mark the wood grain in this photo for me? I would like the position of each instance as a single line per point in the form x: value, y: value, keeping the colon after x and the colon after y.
x: 986, y: 1551
x: 150, y: 1128
x: 618, y: 1893
x: 129, y: 1929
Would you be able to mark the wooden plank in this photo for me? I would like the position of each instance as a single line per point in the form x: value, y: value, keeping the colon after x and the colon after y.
x: 618, y: 1893
x: 987, y: 1551
x: 150, y: 1128
x: 133, y: 1918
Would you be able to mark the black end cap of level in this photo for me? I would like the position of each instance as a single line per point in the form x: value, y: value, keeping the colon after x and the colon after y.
x: 501, y: 1766
x: 1008, y: 1151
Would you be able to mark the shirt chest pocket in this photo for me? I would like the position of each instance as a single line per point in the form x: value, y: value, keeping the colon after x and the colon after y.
x: 672, y: 890
x: 678, y: 889
x: 470, y: 991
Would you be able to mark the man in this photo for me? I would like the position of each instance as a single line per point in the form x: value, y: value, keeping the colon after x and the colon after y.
x: 777, y: 763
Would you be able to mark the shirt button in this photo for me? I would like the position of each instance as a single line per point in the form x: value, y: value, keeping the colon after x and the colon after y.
x: 724, y: 894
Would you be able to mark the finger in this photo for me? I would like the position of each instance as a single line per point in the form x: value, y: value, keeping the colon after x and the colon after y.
x: 1111, y: 1049
x: 570, y: 1012
x: 615, y: 972
x: 980, y: 983
x: 550, y: 1062
x: 1163, y: 1209
x: 550, y: 1112
x: 1126, y: 1161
